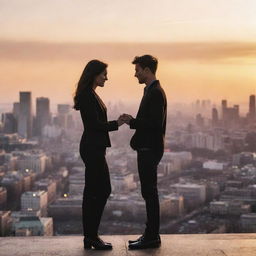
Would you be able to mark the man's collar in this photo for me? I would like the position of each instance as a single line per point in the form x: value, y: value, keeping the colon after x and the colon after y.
x: 148, y: 86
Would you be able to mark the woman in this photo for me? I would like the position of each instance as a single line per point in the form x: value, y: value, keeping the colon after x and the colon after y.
x: 93, y: 145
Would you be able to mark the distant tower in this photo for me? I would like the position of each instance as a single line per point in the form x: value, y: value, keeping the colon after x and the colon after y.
x: 10, y: 123
x: 25, y: 115
x: 42, y: 114
x: 236, y: 111
x: 63, y: 109
x: 63, y: 112
x: 199, y: 120
x: 224, y: 105
x: 215, y: 118
x: 16, y: 110
x: 252, y: 108
x: 197, y: 105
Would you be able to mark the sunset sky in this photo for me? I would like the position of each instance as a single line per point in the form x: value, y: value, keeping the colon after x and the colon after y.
x: 206, y: 49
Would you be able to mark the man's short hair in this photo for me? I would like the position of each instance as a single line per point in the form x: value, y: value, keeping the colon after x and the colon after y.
x: 146, y: 61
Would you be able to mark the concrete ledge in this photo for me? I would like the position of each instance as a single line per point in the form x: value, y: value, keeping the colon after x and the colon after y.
x: 172, y: 245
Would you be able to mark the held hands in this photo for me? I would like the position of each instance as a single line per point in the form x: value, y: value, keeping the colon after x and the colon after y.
x: 124, y: 118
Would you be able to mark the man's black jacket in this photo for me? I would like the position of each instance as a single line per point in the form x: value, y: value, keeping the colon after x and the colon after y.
x: 150, y: 122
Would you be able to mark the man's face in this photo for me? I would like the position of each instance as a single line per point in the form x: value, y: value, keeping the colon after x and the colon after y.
x: 140, y: 73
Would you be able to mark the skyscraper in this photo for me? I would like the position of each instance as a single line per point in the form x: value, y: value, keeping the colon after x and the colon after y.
x: 236, y: 112
x: 215, y: 118
x: 42, y: 114
x: 252, y: 108
x: 224, y: 105
x: 16, y: 110
x: 63, y: 111
x: 199, y: 120
x: 25, y: 115
x: 10, y: 123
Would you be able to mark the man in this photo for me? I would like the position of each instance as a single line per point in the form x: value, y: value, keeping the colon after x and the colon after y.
x: 148, y: 141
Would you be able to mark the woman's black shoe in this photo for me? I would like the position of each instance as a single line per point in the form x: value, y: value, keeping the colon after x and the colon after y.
x: 96, y: 243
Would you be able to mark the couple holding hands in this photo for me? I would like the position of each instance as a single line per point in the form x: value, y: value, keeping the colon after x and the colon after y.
x: 148, y: 141
x: 125, y: 118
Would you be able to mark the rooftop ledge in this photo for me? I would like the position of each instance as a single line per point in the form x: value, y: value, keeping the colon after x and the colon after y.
x: 172, y: 245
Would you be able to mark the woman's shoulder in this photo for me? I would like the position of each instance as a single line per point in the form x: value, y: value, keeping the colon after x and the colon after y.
x: 87, y: 99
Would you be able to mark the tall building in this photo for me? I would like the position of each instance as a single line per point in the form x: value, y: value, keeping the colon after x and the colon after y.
x: 16, y: 110
x: 194, y: 194
x: 198, y: 104
x: 47, y: 185
x: 63, y: 109
x: 35, y: 161
x: 33, y: 226
x: 5, y: 223
x: 230, y: 115
x: 42, y: 114
x: 215, y: 118
x: 13, y: 184
x: 224, y: 106
x: 236, y: 112
x: 25, y: 115
x: 63, y: 112
x: 3, y: 198
x: 199, y: 120
x: 10, y: 123
x: 34, y: 201
x: 212, y: 141
x: 252, y: 107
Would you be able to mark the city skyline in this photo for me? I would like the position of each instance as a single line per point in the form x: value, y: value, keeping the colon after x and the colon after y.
x: 200, y: 104
x: 27, y: 122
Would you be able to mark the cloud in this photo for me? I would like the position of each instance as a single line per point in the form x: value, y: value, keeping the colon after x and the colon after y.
x: 183, y: 51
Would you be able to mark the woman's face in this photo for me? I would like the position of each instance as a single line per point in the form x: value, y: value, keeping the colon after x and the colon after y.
x: 101, y: 78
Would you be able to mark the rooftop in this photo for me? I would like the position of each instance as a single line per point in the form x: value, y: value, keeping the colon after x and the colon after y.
x: 34, y: 193
x: 172, y: 245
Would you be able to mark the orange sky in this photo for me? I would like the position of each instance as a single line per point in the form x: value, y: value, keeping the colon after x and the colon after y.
x: 188, y: 71
x: 206, y: 49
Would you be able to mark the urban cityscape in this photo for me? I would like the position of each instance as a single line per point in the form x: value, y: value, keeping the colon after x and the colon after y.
x: 206, y: 178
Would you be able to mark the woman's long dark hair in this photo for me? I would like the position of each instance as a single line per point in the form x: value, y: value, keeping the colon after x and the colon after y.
x: 91, y: 70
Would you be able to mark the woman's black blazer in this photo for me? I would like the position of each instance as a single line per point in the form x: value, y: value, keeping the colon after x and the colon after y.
x: 96, y: 126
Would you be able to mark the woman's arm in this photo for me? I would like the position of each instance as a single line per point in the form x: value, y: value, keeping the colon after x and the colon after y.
x: 91, y: 116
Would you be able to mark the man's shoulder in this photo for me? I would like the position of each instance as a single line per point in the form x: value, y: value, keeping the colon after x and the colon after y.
x: 156, y: 85
x: 157, y: 88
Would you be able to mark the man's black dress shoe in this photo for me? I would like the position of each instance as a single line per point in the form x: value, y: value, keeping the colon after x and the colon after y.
x: 138, y: 239
x: 96, y: 243
x: 144, y: 243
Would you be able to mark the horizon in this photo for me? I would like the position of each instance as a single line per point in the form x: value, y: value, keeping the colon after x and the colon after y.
x: 172, y: 106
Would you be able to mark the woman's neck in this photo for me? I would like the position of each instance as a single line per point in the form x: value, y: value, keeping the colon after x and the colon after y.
x: 94, y: 87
